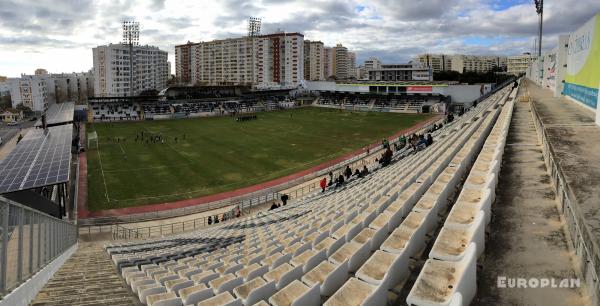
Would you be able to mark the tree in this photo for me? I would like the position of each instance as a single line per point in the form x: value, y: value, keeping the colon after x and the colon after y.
x: 5, y: 102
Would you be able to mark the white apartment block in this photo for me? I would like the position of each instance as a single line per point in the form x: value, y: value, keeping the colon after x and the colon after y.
x: 437, y: 62
x: 218, y: 62
x: 475, y: 63
x: 30, y: 91
x: 352, y: 63
x: 314, y: 61
x: 280, y: 59
x: 112, y: 70
x: 341, y: 62
x: 518, y: 64
x: 266, y: 60
x: 69, y: 87
x: 372, y: 63
x: 401, y: 72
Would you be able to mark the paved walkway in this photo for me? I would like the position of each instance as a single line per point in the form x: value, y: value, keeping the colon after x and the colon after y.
x: 527, y: 238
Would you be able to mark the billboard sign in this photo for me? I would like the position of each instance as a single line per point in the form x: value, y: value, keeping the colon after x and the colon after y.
x: 583, y: 63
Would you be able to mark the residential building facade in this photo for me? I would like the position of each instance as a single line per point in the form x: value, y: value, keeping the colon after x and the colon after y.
x: 329, y: 64
x: 265, y: 60
x: 30, y: 91
x: 474, y: 63
x: 314, y: 60
x: 437, y: 62
x: 112, y: 74
x: 518, y: 64
x: 401, y: 72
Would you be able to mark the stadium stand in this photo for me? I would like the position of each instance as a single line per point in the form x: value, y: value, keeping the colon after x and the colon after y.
x: 106, y: 111
x: 407, y: 103
x: 349, y: 245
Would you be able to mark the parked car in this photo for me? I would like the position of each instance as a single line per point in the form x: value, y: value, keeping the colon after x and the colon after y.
x: 13, y: 123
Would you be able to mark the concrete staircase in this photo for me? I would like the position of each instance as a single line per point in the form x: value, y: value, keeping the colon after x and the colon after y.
x: 87, y: 278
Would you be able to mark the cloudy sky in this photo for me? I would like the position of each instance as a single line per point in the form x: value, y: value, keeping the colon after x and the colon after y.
x: 59, y: 35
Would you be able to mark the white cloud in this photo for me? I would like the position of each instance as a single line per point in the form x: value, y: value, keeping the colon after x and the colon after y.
x: 58, y: 35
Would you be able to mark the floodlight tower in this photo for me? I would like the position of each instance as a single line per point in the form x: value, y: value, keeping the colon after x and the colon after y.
x: 131, y: 37
x: 254, y: 26
x: 539, y: 8
x: 253, y: 32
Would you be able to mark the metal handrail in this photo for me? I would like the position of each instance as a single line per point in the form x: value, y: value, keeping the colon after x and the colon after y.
x: 29, y: 240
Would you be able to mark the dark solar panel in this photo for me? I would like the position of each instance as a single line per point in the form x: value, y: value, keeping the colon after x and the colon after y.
x: 39, y: 159
x: 58, y: 113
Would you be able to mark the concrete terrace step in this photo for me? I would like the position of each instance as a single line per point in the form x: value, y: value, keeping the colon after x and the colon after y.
x: 87, y: 278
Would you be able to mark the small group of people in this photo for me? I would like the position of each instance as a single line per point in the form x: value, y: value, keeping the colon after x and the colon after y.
x: 342, y: 177
x: 435, y: 128
x: 420, y: 142
x: 147, y: 138
x: 245, y: 118
x: 234, y: 213
x: 284, y: 198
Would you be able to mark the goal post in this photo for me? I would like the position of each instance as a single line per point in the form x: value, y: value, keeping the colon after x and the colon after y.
x: 92, y: 140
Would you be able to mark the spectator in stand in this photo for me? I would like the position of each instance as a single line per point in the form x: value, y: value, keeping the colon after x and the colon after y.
x: 386, y: 158
x: 428, y: 140
x: 348, y: 172
x: 323, y: 184
x: 330, y: 178
x: 356, y: 172
x: 209, y: 220
x: 216, y: 218
x: 422, y: 143
x: 365, y: 171
x: 284, y: 199
x: 339, y: 181
x: 274, y: 206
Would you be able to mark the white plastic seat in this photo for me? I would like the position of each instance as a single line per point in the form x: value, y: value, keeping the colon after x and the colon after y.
x: 225, y: 283
x: 452, y: 241
x: 353, y: 252
x: 223, y: 299
x: 297, y: 294
x: 329, y: 276
x: 330, y: 245
x: 385, y: 269
x: 254, y: 290
x: 283, y: 275
x: 163, y: 299
x: 358, y: 293
x: 194, y: 294
x: 146, y: 290
x: 252, y: 271
x: 309, y: 259
x: 440, y: 282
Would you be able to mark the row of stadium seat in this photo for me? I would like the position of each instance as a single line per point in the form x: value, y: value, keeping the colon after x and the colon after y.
x: 304, y: 253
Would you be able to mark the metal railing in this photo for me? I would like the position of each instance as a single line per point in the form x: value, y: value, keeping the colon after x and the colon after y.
x: 29, y: 241
x: 122, y: 232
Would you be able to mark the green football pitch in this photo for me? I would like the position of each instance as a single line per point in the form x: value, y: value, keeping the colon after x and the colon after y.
x: 218, y: 154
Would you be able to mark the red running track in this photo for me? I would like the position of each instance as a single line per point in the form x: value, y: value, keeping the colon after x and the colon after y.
x: 82, y: 197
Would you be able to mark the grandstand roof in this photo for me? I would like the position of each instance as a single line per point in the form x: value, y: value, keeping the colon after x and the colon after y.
x: 393, y: 83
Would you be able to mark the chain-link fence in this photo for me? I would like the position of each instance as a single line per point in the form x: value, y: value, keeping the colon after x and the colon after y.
x: 29, y: 240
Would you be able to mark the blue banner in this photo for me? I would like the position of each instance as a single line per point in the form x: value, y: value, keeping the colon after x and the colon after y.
x: 585, y: 95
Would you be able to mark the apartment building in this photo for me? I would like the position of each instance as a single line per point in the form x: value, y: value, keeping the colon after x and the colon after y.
x: 437, y: 62
x: 39, y: 90
x: 314, y: 60
x: 112, y: 74
x: 280, y: 59
x: 401, y: 72
x: 266, y: 60
x: 30, y: 91
x: 518, y: 64
x: 475, y: 63
x: 341, y: 62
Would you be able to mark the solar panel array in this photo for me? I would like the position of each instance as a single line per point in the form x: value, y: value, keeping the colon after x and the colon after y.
x: 39, y: 159
x: 58, y: 114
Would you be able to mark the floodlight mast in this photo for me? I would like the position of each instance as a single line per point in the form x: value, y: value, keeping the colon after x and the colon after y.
x: 131, y: 37
x: 539, y: 8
